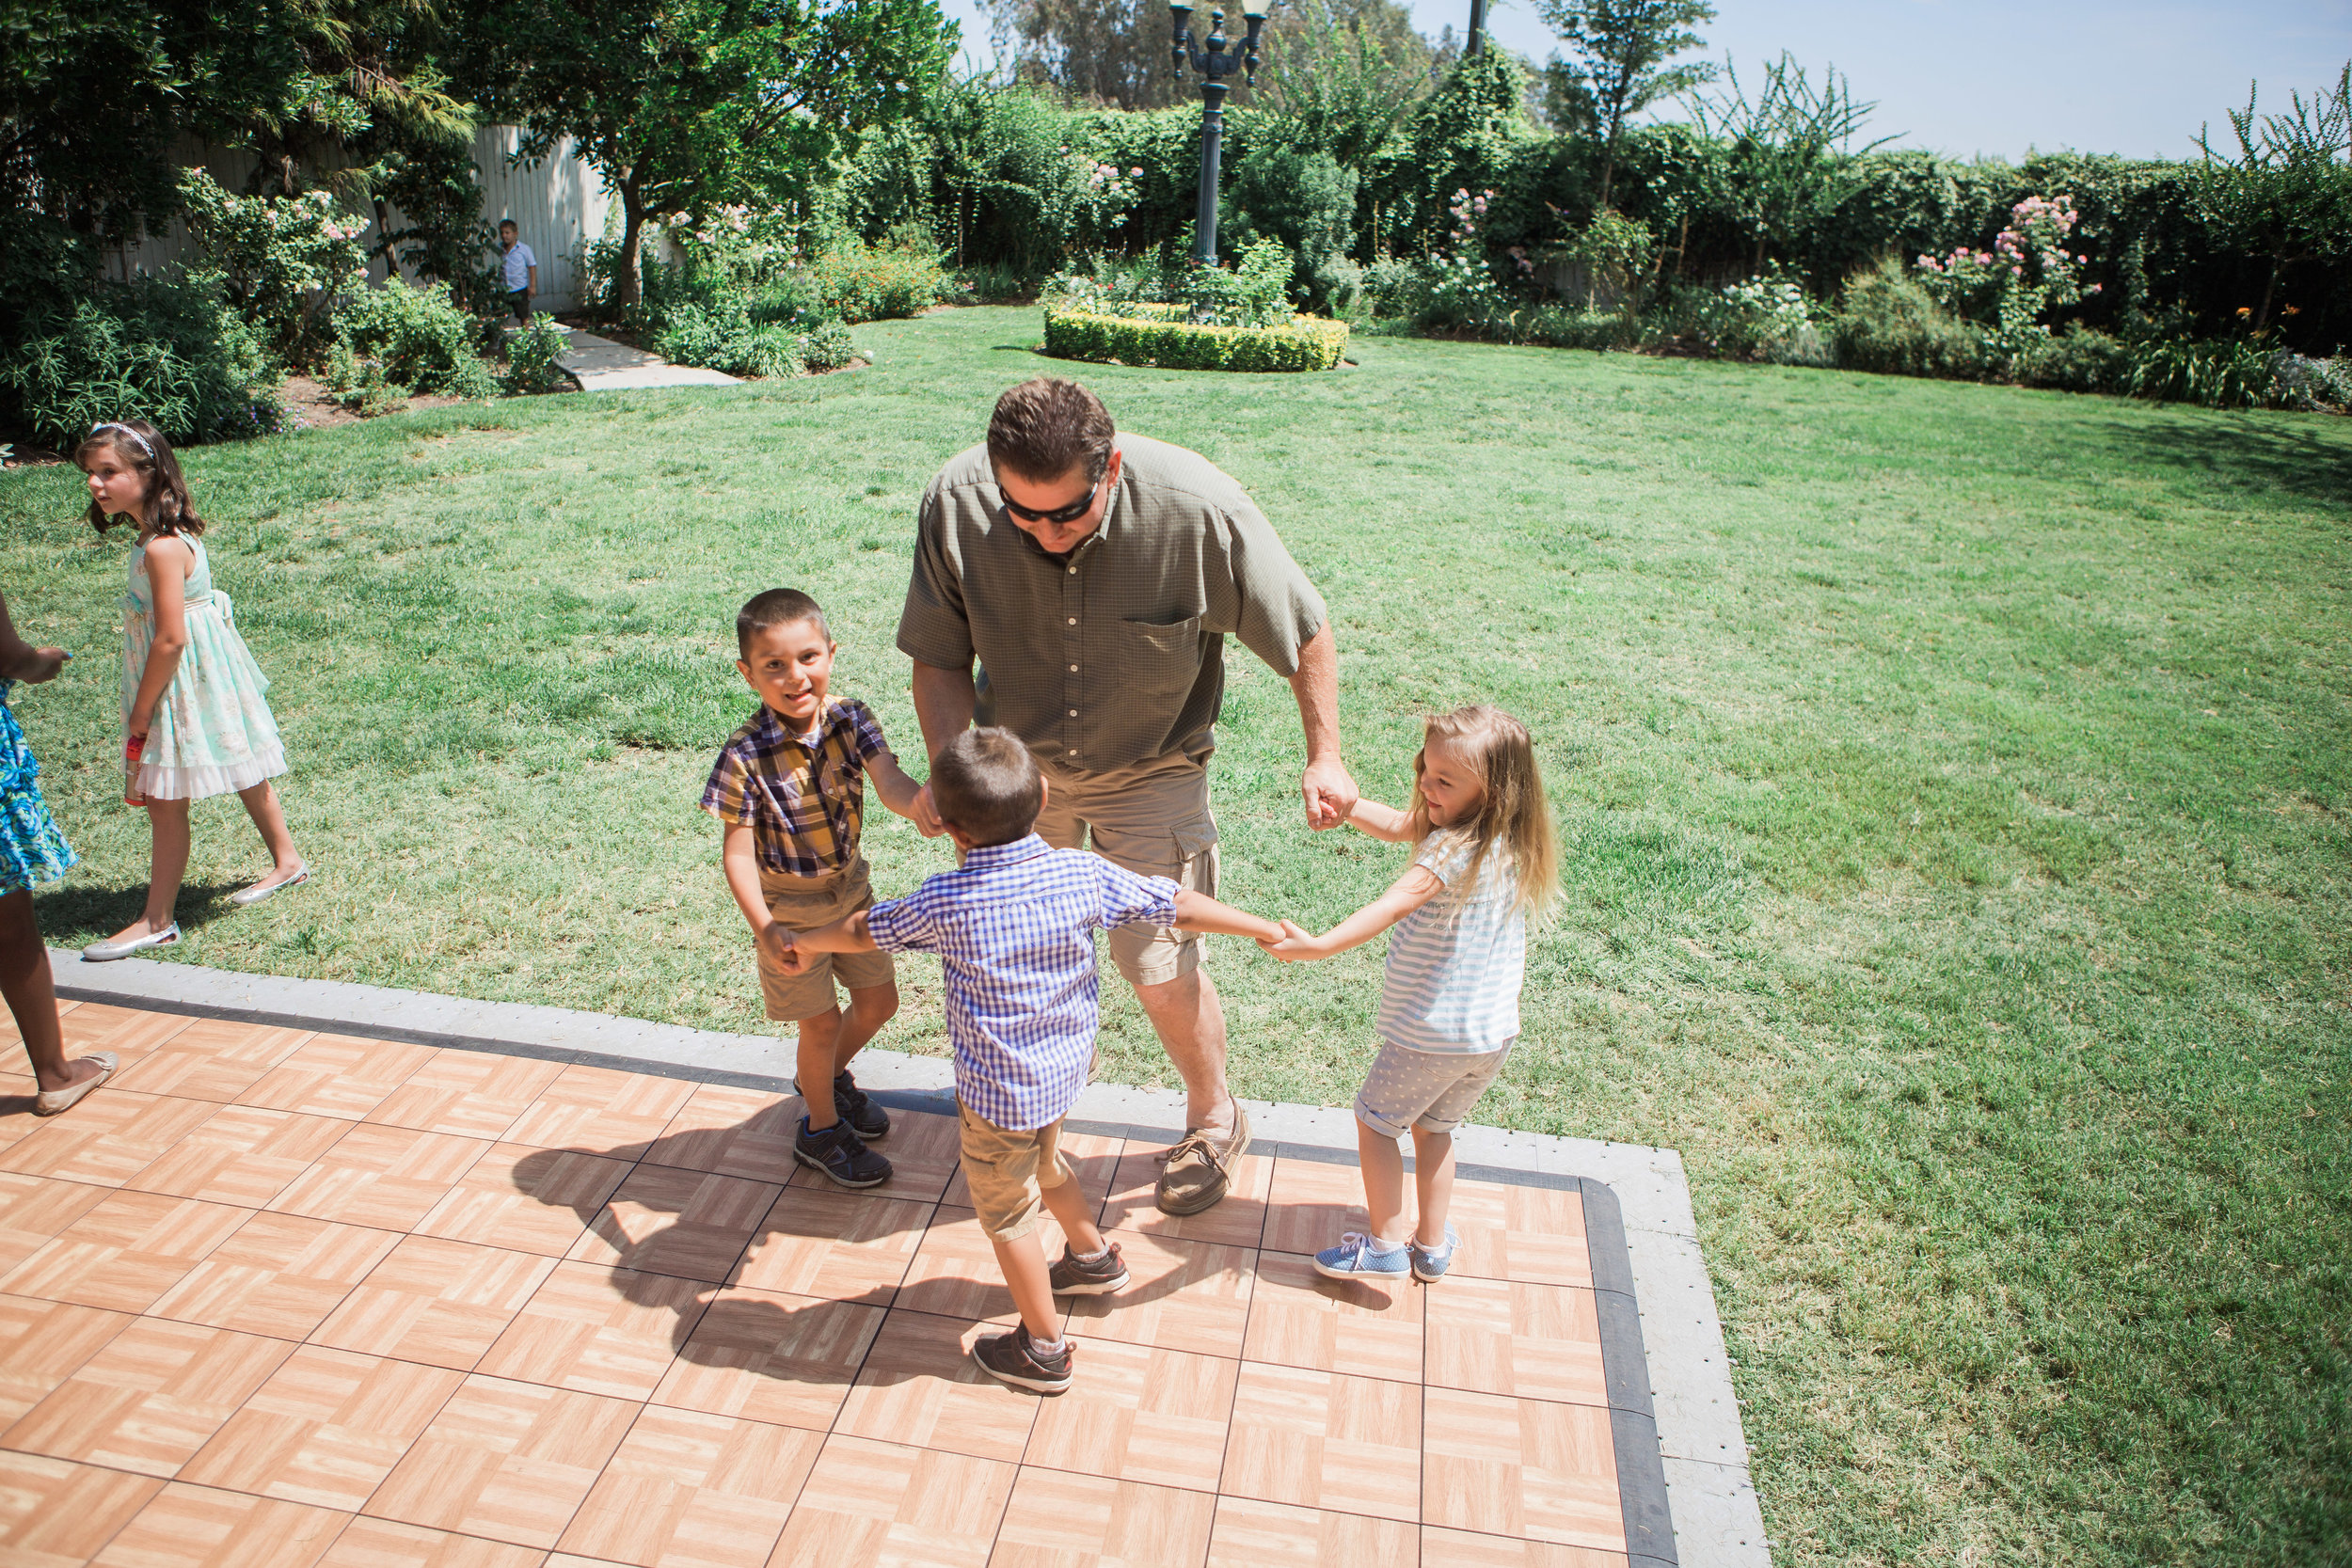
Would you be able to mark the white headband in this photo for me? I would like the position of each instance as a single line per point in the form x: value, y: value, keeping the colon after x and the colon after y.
x: 127, y: 431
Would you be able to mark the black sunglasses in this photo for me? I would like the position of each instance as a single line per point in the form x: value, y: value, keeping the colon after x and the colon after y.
x: 1060, y: 515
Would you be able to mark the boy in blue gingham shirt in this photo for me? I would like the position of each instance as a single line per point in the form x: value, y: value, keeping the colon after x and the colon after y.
x: 1015, y: 927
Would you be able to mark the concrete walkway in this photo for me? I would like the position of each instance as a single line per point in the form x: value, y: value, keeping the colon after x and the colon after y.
x: 601, y: 365
x: 1565, y: 1401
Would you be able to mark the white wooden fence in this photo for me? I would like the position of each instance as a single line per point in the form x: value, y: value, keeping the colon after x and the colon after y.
x: 556, y: 204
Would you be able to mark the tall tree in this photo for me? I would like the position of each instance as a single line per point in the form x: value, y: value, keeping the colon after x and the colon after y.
x: 1344, y: 73
x: 2286, y: 194
x: 1789, y: 161
x: 686, y: 104
x: 1109, y: 51
x: 1625, y: 50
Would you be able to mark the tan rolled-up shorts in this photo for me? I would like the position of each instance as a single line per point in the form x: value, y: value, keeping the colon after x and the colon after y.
x: 1009, y: 1172
x: 804, y: 904
x: 1151, y: 819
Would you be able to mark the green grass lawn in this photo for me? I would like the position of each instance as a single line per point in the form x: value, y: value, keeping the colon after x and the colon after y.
x: 1954, y: 780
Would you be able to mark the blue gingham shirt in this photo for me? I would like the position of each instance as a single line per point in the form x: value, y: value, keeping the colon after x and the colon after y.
x: 1014, y: 931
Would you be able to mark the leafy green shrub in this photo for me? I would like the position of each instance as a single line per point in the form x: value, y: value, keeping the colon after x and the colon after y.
x: 2232, y: 375
x: 1557, y: 326
x: 859, y: 282
x: 1302, y: 344
x: 1305, y: 200
x: 828, y: 347
x: 1396, y: 288
x: 1745, y: 319
x: 2079, y: 359
x: 283, y: 261
x: 724, y: 338
x: 1337, y: 286
x: 2313, y: 384
x: 168, y: 349
x: 422, y: 340
x: 531, y: 358
x: 360, y: 384
x: 1887, y: 322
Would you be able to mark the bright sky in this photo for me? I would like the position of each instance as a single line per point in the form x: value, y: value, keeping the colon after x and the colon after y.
x: 1995, y: 76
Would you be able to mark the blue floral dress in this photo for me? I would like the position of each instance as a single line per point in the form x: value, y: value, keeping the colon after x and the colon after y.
x: 32, y: 851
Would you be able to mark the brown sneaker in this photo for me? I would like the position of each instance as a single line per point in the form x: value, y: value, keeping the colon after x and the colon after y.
x: 1074, y: 1276
x: 1013, y: 1358
x: 1195, y: 1176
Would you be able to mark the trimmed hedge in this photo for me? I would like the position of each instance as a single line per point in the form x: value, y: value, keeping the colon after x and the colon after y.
x: 1303, y: 343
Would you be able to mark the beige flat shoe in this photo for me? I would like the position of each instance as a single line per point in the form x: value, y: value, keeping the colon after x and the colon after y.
x: 48, y: 1102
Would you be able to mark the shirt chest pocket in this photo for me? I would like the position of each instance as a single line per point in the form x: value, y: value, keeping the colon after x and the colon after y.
x: 1162, y: 659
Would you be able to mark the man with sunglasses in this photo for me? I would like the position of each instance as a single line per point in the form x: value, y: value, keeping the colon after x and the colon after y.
x: 1093, y: 576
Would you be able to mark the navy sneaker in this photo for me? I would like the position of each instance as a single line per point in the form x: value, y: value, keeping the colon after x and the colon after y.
x: 851, y: 1104
x: 1013, y: 1358
x: 841, y: 1155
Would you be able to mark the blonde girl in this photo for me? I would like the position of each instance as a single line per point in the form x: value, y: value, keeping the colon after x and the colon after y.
x: 1485, y: 862
x: 195, y: 721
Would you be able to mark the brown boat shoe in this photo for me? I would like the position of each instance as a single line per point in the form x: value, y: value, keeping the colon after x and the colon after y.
x: 1196, y: 1172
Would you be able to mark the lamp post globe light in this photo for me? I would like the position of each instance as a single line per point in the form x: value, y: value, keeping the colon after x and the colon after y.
x: 1214, y: 61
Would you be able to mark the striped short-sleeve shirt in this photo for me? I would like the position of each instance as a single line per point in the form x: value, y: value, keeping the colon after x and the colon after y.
x: 803, y: 796
x: 1455, y: 964
x: 1013, y: 927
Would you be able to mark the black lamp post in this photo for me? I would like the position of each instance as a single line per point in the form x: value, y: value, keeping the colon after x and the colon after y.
x: 1217, y: 63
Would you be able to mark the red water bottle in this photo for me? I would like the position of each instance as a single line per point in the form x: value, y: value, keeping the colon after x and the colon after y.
x: 130, y: 749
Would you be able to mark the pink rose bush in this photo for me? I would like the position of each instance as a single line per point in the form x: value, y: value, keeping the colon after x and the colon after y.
x: 2011, y: 289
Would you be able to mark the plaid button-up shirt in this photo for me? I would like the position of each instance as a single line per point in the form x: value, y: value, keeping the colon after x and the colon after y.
x: 803, y: 797
x: 1014, y: 930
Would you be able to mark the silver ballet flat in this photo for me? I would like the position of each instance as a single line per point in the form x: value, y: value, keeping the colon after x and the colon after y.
x: 251, y: 895
x: 102, y: 951
x: 50, y: 1103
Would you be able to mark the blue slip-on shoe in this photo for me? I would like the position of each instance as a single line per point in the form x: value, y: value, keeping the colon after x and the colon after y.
x: 840, y: 1155
x: 1361, y: 1256
x: 1430, y: 1263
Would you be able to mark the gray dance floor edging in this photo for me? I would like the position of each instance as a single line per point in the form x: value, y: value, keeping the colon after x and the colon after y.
x: 1681, y: 1451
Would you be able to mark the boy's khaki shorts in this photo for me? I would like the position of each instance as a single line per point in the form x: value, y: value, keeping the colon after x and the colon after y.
x: 1008, y: 1172
x: 1151, y: 819
x: 804, y: 904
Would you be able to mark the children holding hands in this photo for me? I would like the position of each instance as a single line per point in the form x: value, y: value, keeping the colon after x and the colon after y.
x: 1013, y: 927
x: 790, y: 787
x: 1486, y: 861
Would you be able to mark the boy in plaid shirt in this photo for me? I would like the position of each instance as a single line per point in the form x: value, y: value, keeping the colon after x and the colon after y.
x: 790, y: 787
x: 1014, y: 930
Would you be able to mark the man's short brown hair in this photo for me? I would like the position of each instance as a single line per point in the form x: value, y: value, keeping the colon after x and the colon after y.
x: 986, y: 785
x: 1044, y: 428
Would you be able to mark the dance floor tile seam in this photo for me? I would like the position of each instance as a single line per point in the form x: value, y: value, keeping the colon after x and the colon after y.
x: 505, y: 1310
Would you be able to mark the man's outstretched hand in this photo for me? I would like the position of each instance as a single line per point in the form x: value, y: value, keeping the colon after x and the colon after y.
x: 1330, y: 793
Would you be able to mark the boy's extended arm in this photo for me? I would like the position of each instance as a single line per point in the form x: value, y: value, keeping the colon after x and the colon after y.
x: 1406, y: 893
x: 900, y: 793
x: 846, y: 935
x: 1198, y: 911
x: 1371, y: 816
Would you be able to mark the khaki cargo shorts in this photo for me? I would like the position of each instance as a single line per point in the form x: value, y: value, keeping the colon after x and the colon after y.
x: 1009, y: 1172
x: 804, y: 904
x: 1151, y: 819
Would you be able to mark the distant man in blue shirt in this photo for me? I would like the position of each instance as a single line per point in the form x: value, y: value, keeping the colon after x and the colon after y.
x: 522, y: 270
x: 1015, y: 927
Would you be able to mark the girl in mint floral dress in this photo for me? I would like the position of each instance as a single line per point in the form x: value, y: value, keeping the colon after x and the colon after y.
x: 196, y: 722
